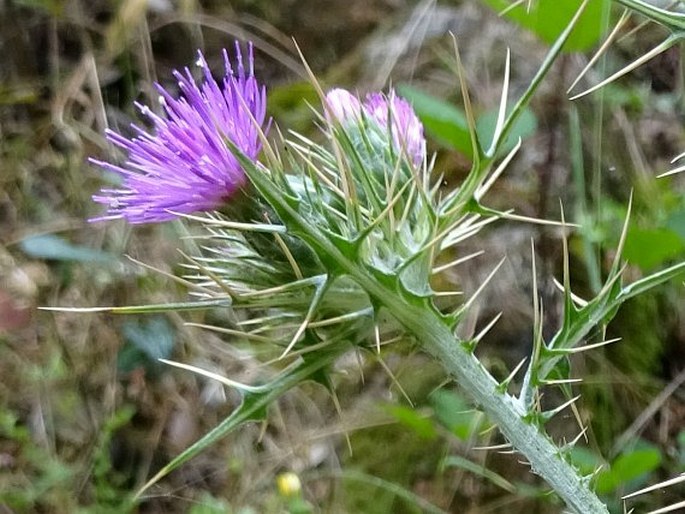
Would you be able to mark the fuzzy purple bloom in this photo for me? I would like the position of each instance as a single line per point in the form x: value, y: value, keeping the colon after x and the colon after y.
x: 184, y: 164
x: 343, y: 105
x: 405, y: 127
x: 389, y: 112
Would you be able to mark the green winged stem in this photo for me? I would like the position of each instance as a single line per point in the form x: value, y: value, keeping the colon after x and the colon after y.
x: 339, y: 247
x: 420, y: 318
x: 484, y: 160
x: 599, y: 311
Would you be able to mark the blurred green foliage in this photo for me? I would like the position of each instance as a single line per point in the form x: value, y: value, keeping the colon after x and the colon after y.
x: 146, y: 340
x: 629, y: 471
x: 548, y: 18
x: 49, y: 483
x: 54, y: 248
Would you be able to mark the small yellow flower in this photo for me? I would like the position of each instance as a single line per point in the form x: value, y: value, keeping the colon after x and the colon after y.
x: 289, y: 484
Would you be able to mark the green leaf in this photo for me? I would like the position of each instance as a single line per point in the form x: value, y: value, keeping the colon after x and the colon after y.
x: 548, y: 18
x: 52, y: 247
x: 422, y: 426
x: 525, y: 125
x: 585, y: 460
x: 648, y: 248
x: 480, y: 470
x: 146, y: 341
x: 676, y: 223
x: 627, y: 467
x: 443, y: 121
x: 454, y: 413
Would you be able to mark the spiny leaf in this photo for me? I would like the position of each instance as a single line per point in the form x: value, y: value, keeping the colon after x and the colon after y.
x: 660, y: 48
x: 672, y: 20
x: 252, y: 408
x: 601, y: 310
x: 149, y: 309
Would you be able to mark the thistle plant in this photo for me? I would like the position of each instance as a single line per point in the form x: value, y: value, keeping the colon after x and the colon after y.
x: 325, y: 248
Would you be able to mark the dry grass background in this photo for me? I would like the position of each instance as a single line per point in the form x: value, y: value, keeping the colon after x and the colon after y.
x: 81, y: 427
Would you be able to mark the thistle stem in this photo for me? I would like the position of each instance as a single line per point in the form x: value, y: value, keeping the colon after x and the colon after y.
x: 420, y: 318
x: 509, y: 414
x: 504, y: 410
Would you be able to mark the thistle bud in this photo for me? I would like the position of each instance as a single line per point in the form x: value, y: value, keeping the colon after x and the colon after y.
x: 387, y: 114
x: 343, y: 106
x: 398, y: 116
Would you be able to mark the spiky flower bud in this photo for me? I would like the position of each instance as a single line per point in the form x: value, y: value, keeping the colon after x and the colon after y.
x: 390, y: 113
x: 396, y: 113
x: 343, y: 105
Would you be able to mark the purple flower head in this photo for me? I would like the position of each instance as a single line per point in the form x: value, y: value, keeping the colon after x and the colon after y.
x: 343, y: 105
x: 184, y: 164
x: 389, y: 112
x: 396, y: 113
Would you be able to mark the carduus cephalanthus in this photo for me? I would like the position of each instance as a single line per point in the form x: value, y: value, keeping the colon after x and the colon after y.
x: 389, y: 112
x: 184, y: 164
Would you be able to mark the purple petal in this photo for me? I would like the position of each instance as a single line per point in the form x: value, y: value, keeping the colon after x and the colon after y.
x: 343, y: 105
x: 405, y: 126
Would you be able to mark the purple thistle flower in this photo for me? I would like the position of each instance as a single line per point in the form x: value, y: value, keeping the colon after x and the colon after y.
x: 343, y: 105
x: 405, y: 127
x: 185, y: 165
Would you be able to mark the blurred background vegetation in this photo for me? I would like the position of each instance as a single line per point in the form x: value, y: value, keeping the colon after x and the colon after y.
x: 86, y: 411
